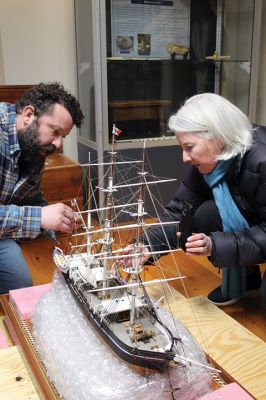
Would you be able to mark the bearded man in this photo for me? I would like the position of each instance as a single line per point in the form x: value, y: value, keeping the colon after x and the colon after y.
x: 30, y: 130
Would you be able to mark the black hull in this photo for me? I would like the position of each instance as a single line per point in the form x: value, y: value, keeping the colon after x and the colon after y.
x: 146, y: 359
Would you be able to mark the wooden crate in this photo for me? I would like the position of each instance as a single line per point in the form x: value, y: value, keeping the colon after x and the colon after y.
x: 62, y: 180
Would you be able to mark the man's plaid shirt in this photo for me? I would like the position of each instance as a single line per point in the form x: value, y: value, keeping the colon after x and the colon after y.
x: 20, y: 194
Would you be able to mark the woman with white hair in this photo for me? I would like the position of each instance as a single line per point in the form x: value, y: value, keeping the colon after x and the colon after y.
x: 224, y: 191
x: 226, y: 187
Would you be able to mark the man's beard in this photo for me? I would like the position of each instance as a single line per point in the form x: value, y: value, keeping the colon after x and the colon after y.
x: 32, y: 151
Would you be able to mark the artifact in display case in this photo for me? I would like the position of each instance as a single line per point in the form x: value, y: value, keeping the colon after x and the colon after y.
x: 176, y: 49
x: 217, y: 57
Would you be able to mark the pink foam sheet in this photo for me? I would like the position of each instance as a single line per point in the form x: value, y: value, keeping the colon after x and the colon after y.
x: 24, y: 300
x: 232, y: 391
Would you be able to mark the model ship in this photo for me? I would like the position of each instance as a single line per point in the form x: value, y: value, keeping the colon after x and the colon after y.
x: 114, y: 299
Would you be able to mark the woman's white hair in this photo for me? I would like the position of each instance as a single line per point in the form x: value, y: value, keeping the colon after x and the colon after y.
x: 213, y: 117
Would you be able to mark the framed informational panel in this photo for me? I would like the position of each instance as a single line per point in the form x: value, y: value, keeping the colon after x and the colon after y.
x: 145, y: 28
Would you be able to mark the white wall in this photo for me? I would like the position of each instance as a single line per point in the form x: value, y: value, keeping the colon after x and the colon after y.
x: 261, y: 93
x: 38, y: 45
x: 2, y: 75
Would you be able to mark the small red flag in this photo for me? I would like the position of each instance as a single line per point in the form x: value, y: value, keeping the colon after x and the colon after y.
x: 116, y: 131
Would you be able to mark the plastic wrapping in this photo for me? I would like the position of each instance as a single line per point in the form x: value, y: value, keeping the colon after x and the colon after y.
x: 82, y: 367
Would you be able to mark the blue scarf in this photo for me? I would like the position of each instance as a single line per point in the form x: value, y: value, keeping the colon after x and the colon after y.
x: 233, y: 278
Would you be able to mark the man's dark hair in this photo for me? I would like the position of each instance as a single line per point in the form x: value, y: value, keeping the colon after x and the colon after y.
x: 44, y: 95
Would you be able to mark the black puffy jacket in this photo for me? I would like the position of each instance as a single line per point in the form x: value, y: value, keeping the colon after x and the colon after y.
x: 247, y: 184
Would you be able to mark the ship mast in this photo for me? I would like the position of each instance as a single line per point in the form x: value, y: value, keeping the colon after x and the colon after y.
x: 89, y: 207
x: 136, y: 265
x: 108, y: 239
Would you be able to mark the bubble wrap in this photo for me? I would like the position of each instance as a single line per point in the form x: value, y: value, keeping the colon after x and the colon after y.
x: 81, y: 366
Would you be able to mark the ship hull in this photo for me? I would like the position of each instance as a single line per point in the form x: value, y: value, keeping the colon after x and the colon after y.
x: 153, y: 360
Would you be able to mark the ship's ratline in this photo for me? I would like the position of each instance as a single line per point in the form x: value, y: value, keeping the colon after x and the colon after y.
x: 147, y: 359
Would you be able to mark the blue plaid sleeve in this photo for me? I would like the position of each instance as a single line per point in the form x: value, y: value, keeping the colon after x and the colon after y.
x: 20, y: 222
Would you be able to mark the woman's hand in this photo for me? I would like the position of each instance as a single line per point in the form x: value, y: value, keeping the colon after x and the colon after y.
x: 198, y: 244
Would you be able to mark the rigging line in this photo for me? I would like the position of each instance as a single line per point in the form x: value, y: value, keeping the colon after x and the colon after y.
x: 138, y: 184
x: 79, y: 212
x: 160, y: 204
x: 125, y: 181
x: 117, y: 302
x: 82, y: 245
x: 94, y: 196
x: 88, y: 184
x: 129, y: 170
x: 197, y: 363
x: 129, y: 201
x: 116, y: 215
x: 89, y: 222
x: 82, y: 182
x: 104, y: 254
x: 132, y: 195
x: 204, y: 336
x: 122, y: 227
x: 109, y: 163
x: 122, y: 157
x: 162, y: 224
x: 110, y: 313
x: 83, y: 260
x: 126, y: 177
x: 169, y: 287
x: 158, y: 217
x: 163, y: 274
x: 107, y: 208
x: 149, y: 302
x: 158, y: 191
x: 111, y: 307
x: 170, y: 384
x: 132, y: 285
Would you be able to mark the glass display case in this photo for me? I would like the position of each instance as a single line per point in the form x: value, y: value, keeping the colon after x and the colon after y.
x: 154, y: 61
x: 138, y: 60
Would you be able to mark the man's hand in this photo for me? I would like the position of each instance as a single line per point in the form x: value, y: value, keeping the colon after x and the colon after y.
x: 198, y: 244
x: 128, y: 260
x: 59, y: 217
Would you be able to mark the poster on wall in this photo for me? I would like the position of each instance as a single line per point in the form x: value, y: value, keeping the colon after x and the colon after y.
x: 148, y: 28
